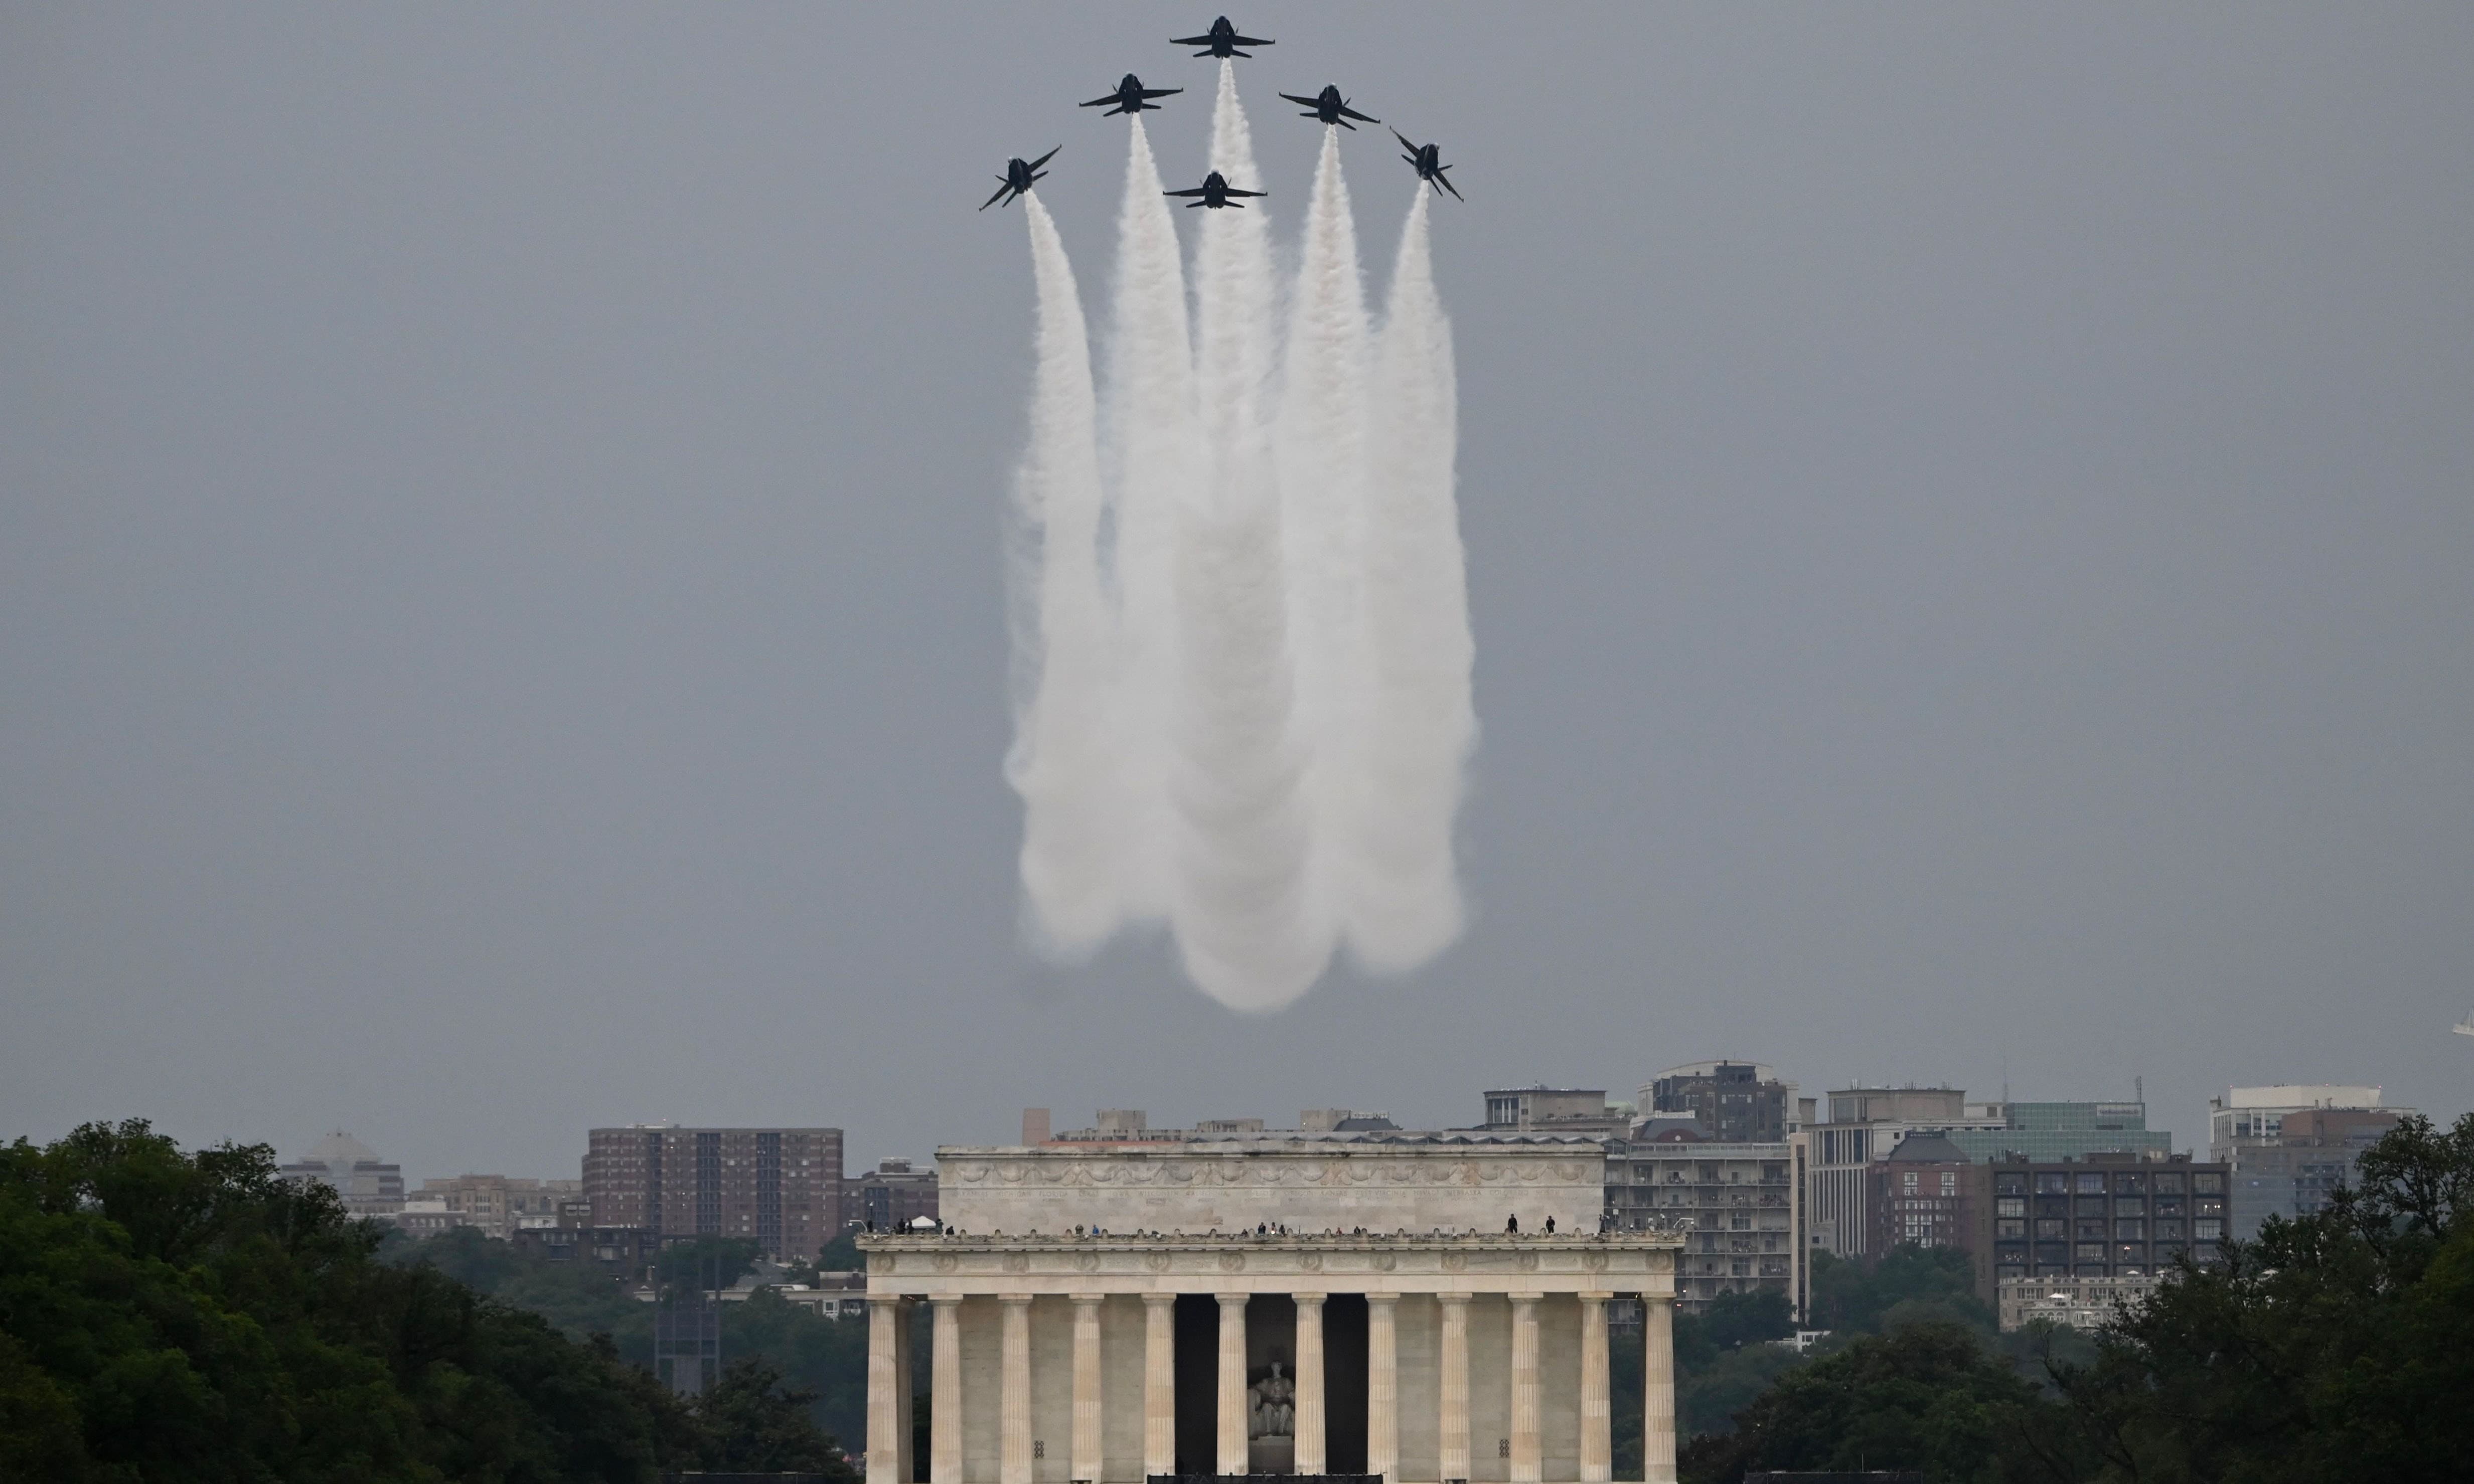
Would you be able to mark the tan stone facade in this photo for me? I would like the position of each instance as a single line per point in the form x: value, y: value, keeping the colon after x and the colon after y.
x: 1342, y: 1344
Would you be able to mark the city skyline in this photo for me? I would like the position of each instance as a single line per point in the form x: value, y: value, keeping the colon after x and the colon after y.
x: 502, y: 628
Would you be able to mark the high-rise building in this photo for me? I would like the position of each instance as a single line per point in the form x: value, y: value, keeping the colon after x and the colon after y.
x: 1922, y: 1195
x: 1736, y: 1205
x: 2290, y: 1147
x: 780, y: 1187
x: 890, y: 1197
x: 1864, y: 1124
x: 2108, y: 1215
x: 1738, y: 1102
x: 2063, y: 1130
x: 369, y: 1185
x: 1543, y: 1109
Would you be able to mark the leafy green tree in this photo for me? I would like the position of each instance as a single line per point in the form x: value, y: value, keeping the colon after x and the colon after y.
x: 755, y: 1425
x: 2338, y: 1345
x: 706, y: 1262
x: 170, y: 1316
x: 1927, y: 1396
x: 1909, y: 1284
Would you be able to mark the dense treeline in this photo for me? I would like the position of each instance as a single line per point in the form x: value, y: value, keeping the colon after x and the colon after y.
x: 2337, y: 1345
x: 192, y: 1316
x: 826, y: 1360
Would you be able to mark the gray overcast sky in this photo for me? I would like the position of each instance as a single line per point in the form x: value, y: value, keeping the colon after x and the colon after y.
x: 1970, y: 515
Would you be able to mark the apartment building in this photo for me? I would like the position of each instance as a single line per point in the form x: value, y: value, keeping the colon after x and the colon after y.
x: 780, y: 1187
x: 1739, y: 1205
x: 2290, y: 1147
x: 2104, y: 1216
x: 891, y: 1196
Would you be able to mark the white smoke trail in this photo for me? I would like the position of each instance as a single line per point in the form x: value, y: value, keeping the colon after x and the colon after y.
x: 1061, y: 762
x: 1406, y: 905
x: 1321, y: 450
x: 1154, y: 451
x: 1242, y: 914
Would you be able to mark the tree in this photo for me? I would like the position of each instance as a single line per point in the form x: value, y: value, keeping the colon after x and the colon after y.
x: 173, y: 1316
x: 755, y: 1425
x: 2338, y: 1345
x: 1927, y: 1397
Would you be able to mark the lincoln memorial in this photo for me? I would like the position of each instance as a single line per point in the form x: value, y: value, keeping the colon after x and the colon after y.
x: 1422, y: 1308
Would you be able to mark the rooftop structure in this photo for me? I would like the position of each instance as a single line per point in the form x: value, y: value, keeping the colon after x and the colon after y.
x: 369, y: 1185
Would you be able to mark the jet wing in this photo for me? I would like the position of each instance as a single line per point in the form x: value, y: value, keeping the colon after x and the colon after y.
x: 1312, y: 103
x: 1249, y: 42
x: 1353, y: 113
x: 1160, y: 92
x: 1205, y: 39
x: 1234, y: 191
x: 1196, y: 191
x: 993, y: 200
x: 1444, y: 182
x: 1098, y: 103
x: 1045, y: 158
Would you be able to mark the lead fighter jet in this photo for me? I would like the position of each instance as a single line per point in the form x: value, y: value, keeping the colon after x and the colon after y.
x: 1019, y: 178
x: 1130, y: 96
x: 1331, y: 108
x: 1220, y: 40
x: 1429, y: 161
x: 1215, y: 191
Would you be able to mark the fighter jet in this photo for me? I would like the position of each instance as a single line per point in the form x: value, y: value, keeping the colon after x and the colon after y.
x: 1130, y: 95
x: 1215, y: 192
x: 1429, y: 161
x: 1331, y: 108
x: 1019, y: 178
x: 1220, y: 40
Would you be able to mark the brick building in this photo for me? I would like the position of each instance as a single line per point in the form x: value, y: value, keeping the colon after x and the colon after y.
x: 891, y: 1196
x: 1923, y: 1194
x: 782, y: 1187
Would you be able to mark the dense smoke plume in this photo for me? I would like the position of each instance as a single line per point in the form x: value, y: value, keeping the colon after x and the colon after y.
x: 1242, y: 640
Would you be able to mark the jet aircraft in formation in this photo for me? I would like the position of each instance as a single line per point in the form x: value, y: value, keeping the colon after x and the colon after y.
x: 1223, y: 39
x: 1428, y: 159
x: 1019, y: 178
x: 1214, y: 192
x: 1220, y: 40
x: 1131, y: 97
x: 1331, y: 108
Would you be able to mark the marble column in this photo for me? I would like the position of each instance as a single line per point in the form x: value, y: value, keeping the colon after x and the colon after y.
x: 1597, y: 1393
x: 1232, y: 1384
x: 1658, y: 1392
x: 1086, y: 1387
x: 908, y: 1467
x: 884, y: 1391
x: 1159, y: 1383
x: 1014, y: 1392
x: 945, y: 1392
x: 1452, y: 1425
x: 1383, y: 1386
x: 1310, y: 1387
x: 1528, y: 1444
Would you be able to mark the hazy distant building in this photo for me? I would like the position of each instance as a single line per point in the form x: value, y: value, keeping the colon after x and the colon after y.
x: 1866, y: 1123
x: 1861, y: 1127
x: 780, y: 1187
x: 369, y: 1185
x: 2105, y: 1216
x: 1738, y: 1102
x: 2063, y: 1130
x: 1543, y: 1109
x: 1737, y: 1206
x: 500, y: 1205
x: 2289, y: 1147
x: 1922, y: 1196
x: 890, y: 1197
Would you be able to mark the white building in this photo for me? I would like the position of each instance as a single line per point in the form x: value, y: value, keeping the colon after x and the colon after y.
x: 1348, y: 1305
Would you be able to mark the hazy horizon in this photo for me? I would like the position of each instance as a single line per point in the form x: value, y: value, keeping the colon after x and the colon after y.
x: 501, y: 621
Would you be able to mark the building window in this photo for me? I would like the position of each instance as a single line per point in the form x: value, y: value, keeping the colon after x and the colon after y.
x: 2168, y: 1184
x: 2206, y: 1230
x: 1949, y: 1183
x: 2091, y: 1185
x: 2207, y: 1184
x: 1908, y: 1181
x: 2050, y: 1227
x: 2053, y: 1183
x: 2010, y: 1229
x: 2009, y: 1208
